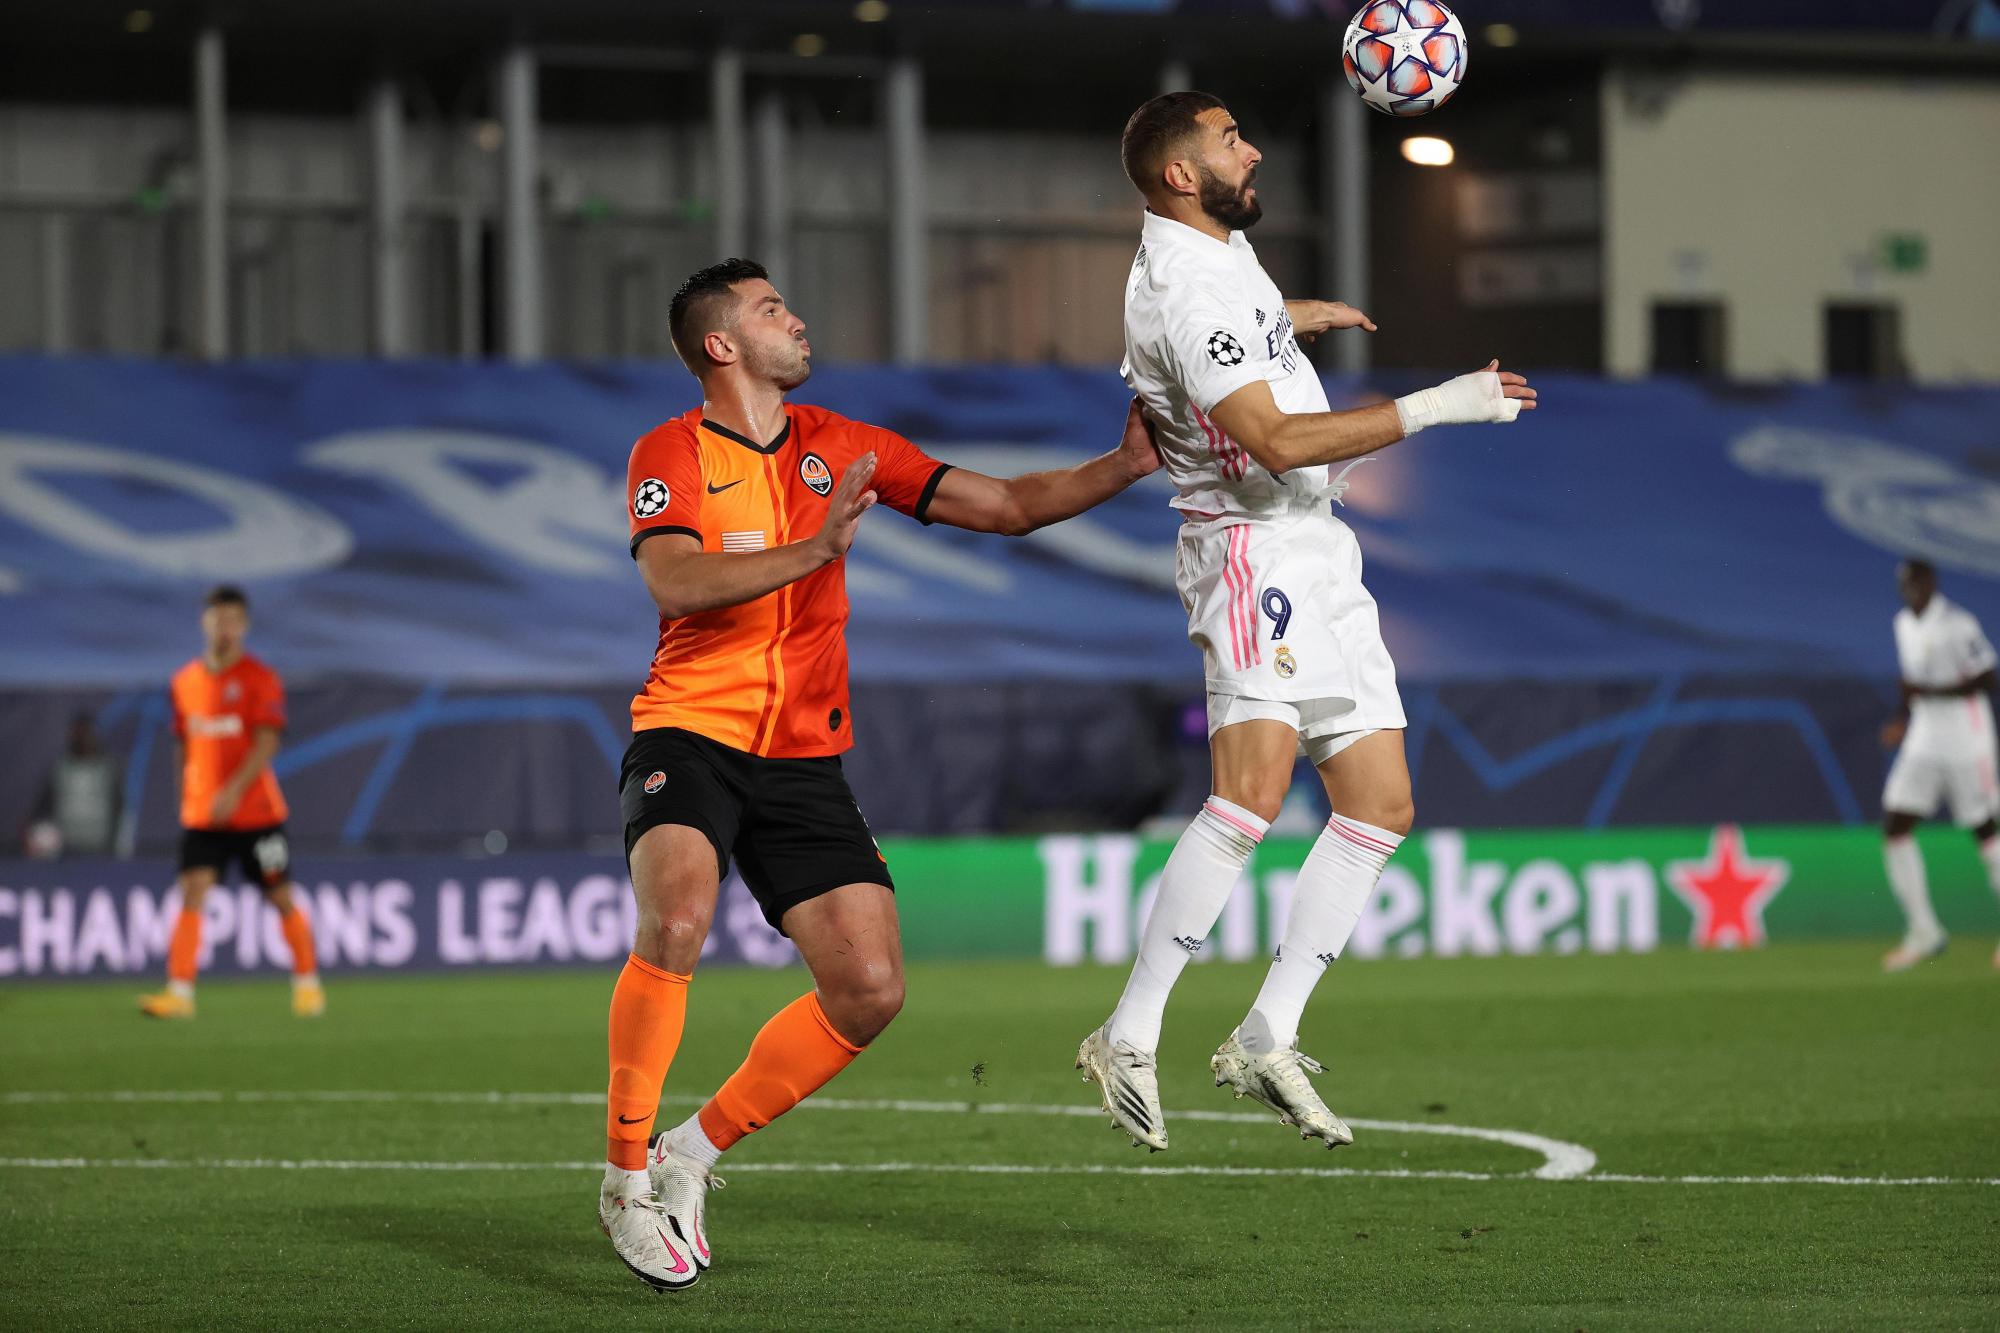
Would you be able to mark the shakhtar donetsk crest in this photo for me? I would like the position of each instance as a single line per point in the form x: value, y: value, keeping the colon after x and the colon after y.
x: 654, y: 781
x: 814, y: 472
x: 1285, y: 664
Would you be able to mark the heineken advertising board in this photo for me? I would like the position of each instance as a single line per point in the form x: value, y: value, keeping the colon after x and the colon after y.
x: 1452, y: 894
x: 1065, y: 899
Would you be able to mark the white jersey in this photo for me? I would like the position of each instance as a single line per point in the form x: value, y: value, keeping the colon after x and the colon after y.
x: 1203, y: 319
x: 1939, y: 649
x: 1270, y: 578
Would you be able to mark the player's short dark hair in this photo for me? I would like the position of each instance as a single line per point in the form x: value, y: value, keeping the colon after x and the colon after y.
x: 225, y: 594
x: 1920, y: 568
x: 1158, y: 130
x: 698, y: 308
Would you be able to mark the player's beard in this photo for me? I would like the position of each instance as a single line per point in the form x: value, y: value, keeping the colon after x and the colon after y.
x: 787, y: 367
x: 1230, y: 205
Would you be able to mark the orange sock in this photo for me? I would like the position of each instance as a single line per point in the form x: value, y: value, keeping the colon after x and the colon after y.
x: 795, y: 1055
x: 299, y: 934
x: 648, y: 1010
x: 184, y: 948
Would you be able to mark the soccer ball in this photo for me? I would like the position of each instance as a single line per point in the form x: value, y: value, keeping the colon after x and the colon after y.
x: 1404, y: 57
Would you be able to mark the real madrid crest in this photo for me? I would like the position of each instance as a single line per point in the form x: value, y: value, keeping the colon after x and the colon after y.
x: 1285, y: 664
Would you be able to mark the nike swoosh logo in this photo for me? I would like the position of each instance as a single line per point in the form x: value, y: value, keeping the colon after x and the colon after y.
x: 632, y: 1120
x: 714, y: 489
x: 680, y: 1264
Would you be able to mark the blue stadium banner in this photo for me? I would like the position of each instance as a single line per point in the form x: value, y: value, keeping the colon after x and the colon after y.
x: 435, y: 522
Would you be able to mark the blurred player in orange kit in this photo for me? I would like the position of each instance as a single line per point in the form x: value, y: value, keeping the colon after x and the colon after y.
x: 229, y: 712
x: 741, y: 513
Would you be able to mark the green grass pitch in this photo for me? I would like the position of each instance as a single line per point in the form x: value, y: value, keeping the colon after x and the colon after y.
x: 1800, y: 1061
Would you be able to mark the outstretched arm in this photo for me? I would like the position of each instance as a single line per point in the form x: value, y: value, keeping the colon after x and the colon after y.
x: 1016, y: 506
x: 1280, y: 441
x: 1312, y: 318
x: 683, y: 579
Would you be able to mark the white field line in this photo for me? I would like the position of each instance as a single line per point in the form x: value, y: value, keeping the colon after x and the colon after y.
x: 965, y: 1168
x: 1560, y: 1160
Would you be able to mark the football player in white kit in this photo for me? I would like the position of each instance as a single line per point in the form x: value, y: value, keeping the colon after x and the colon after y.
x: 1271, y: 580
x: 1947, y: 754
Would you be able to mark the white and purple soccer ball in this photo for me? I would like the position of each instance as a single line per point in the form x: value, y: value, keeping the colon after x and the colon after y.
x: 1404, y: 57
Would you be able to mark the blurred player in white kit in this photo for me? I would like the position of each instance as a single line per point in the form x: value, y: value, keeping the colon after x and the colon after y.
x: 1272, y: 585
x: 1947, y: 751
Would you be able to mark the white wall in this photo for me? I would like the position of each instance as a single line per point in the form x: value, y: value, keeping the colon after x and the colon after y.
x: 1772, y: 193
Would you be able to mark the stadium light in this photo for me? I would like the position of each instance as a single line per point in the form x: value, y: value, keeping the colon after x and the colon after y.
x: 1502, y: 34
x: 138, y: 21
x: 1426, y: 151
x: 808, y: 45
x: 871, y: 11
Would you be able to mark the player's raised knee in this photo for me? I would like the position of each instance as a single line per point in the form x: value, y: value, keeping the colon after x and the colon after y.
x: 863, y: 1005
x: 1397, y: 816
x: 1262, y: 795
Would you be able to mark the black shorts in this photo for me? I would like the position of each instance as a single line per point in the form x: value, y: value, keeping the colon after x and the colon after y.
x: 791, y: 824
x: 263, y: 853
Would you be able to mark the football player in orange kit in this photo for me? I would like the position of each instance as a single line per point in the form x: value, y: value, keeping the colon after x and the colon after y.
x: 229, y: 711
x: 741, y: 513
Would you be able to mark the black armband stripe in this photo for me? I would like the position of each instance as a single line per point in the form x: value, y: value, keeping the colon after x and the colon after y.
x: 930, y: 492
x: 660, y: 531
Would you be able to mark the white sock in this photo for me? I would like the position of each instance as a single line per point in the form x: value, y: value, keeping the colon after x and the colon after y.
x: 1989, y: 852
x: 1204, y: 867
x: 1333, y: 886
x: 304, y: 980
x: 1905, y: 864
x: 182, y: 990
x: 626, y: 1184
x: 689, y: 1142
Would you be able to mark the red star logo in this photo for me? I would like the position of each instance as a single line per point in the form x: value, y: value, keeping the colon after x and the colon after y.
x: 1728, y: 892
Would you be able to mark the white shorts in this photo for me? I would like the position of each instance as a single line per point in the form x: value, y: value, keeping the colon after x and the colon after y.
x: 1286, y: 629
x: 1323, y: 730
x: 1919, y: 783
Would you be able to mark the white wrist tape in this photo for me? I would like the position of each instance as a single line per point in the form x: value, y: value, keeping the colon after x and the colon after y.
x: 1469, y: 398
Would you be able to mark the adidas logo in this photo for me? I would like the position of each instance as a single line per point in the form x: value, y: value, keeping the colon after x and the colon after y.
x: 1327, y: 959
x: 1188, y: 942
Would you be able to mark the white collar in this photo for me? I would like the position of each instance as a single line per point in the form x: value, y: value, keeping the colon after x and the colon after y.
x: 1159, y: 230
x: 1934, y: 609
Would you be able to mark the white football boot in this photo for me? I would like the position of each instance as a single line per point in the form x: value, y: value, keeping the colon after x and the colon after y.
x: 639, y: 1232
x: 1128, y: 1081
x: 1916, y: 948
x: 1278, y: 1080
x: 682, y: 1189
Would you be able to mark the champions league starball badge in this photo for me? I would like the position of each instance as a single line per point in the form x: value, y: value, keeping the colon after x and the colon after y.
x: 1223, y: 349
x: 650, y: 498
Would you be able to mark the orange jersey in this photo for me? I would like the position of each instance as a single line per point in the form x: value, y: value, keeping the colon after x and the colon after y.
x: 216, y: 716
x: 767, y: 677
